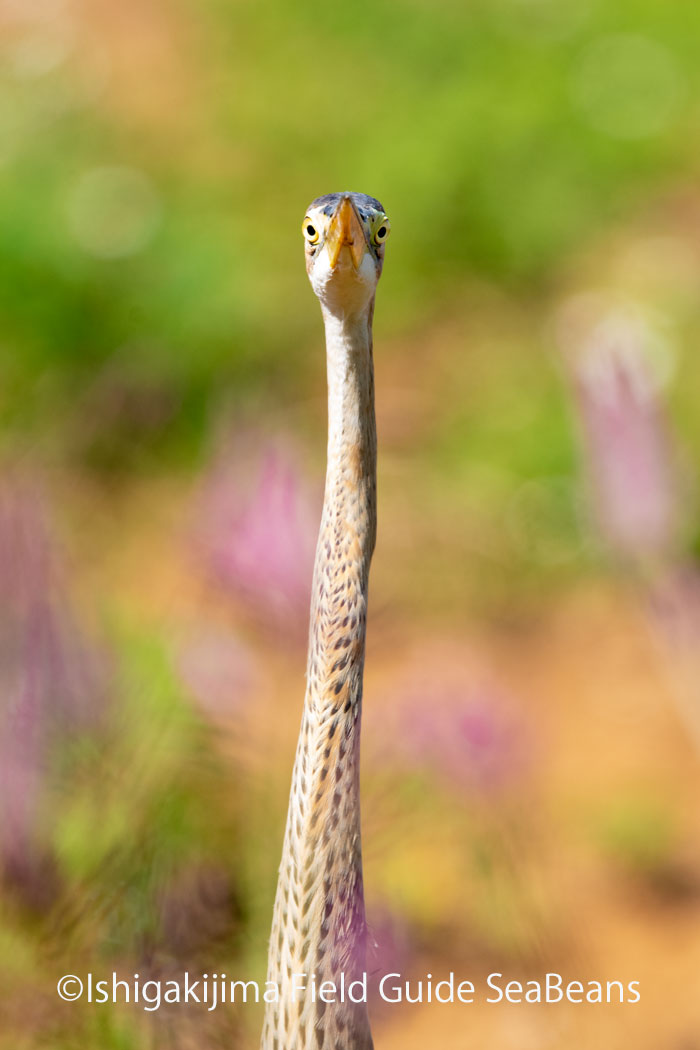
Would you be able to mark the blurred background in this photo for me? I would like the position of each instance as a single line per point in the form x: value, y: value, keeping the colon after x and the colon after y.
x: 532, y: 712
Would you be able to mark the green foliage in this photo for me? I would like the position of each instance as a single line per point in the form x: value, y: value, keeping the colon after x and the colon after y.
x: 466, y: 120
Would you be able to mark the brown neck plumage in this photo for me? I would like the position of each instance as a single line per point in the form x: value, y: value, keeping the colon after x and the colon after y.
x: 319, y: 917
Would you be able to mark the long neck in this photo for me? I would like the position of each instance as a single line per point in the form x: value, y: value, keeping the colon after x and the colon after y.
x: 319, y: 916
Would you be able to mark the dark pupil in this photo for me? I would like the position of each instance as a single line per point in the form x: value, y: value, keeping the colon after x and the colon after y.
x: 381, y: 231
x: 311, y: 231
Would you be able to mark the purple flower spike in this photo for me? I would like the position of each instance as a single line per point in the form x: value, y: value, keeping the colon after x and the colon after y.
x: 53, y: 682
x: 625, y: 437
x: 467, y: 735
x: 21, y: 763
x: 391, y: 948
x: 259, y: 540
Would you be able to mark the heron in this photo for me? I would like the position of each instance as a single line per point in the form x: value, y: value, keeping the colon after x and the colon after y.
x: 319, y: 930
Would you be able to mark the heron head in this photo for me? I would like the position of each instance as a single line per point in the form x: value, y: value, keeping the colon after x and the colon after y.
x: 344, y: 236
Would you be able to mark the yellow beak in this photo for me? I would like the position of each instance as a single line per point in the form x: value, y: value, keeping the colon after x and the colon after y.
x: 346, y: 228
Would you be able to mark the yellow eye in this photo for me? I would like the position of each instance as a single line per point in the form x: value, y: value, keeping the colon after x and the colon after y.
x: 382, y: 231
x: 310, y: 232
